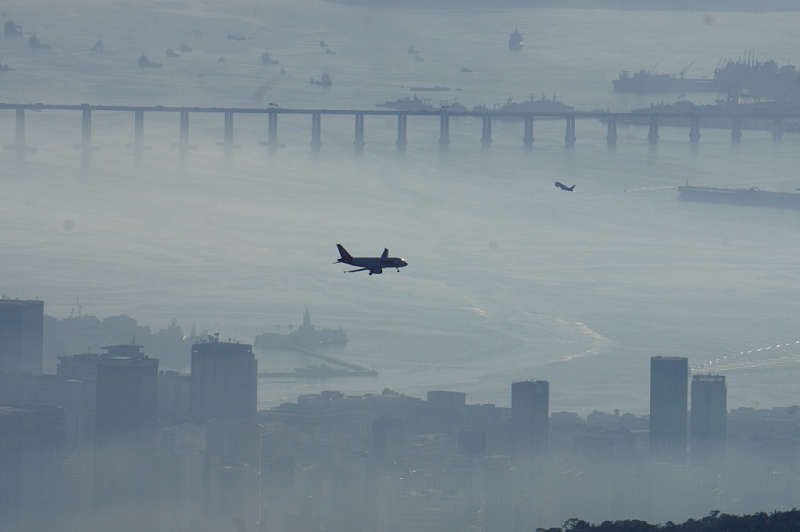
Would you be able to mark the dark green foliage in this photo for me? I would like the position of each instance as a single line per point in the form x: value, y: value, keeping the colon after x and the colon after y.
x: 714, y: 522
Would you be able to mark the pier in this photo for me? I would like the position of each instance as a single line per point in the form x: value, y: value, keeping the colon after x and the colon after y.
x: 331, y: 367
x: 652, y: 119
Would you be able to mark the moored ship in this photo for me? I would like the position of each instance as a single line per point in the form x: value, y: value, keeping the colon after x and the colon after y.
x: 751, y: 116
x: 408, y: 104
x: 532, y: 105
x: 305, y: 336
x: 741, y: 196
x: 648, y: 82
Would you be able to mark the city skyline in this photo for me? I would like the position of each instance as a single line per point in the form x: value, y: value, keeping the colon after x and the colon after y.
x: 143, y: 232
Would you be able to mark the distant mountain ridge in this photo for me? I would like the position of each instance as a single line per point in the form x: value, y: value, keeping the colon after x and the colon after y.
x: 642, y: 5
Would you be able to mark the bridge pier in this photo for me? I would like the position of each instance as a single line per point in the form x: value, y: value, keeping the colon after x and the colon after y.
x: 611, y: 132
x: 401, y: 131
x: 777, y: 128
x: 86, y: 128
x: 183, y: 138
x: 227, y: 141
x: 86, y: 137
x: 694, y: 130
x: 138, y: 129
x: 183, y: 134
x: 316, y: 131
x: 569, y: 137
x: 272, y: 129
x: 228, y: 138
x: 736, y: 129
x: 652, y: 135
x: 444, y: 131
x: 19, y: 138
x: 486, y: 135
x: 359, y: 140
x: 527, y: 135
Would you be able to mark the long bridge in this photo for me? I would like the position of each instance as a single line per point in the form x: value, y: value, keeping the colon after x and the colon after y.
x: 735, y: 116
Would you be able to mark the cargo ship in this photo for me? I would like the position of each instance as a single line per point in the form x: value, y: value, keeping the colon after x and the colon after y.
x: 741, y: 196
x: 648, y: 82
x: 306, y: 336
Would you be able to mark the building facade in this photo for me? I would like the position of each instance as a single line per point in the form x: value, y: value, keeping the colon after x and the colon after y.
x: 669, y: 383
x: 530, y: 419
x: 224, y: 379
x: 709, y: 418
x: 126, y: 479
x: 21, y: 335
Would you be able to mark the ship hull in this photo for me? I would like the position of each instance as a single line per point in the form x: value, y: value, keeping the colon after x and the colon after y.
x: 741, y: 196
x: 665, y: 84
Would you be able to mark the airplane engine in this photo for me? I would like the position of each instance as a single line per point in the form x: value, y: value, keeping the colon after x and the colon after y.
x: 376, y: 271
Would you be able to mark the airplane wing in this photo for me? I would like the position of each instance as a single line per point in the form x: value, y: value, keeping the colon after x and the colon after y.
x: 358, y: 270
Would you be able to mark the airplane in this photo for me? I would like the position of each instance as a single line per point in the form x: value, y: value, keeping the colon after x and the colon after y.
x: 562, y: 186
x: 371, y: 264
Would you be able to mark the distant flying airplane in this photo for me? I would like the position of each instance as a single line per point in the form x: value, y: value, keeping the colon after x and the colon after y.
x: 371, y: 264
x: 562, y: 186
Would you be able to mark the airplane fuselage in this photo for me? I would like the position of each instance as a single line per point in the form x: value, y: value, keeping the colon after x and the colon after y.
x: 374, y: 265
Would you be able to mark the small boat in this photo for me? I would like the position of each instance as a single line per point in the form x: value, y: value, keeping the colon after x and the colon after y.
x: 412, y: 50
x: 236, y: 37
x: 12, y: 30
x: 36, y: 44
x: 266, y: 59
x: 98, y: 46
x: 6, y: 68
x: 172, y: 53
x: 184, y: 48
x: 145, y: 62
x: 325, y: 80
x: 515, y: 40
x: 322, y: 43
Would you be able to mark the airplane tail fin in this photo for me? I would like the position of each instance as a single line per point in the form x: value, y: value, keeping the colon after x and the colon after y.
x: 344, y: 255
x: 571, y: 188
x: 385, y: 254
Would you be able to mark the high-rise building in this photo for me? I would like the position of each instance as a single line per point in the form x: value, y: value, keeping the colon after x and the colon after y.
x: 224, y: 378
x: 709, y: 417
x: 669, y: 383
x: 126, y: 444
x: 530, y: 414
x: 21, y: 335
